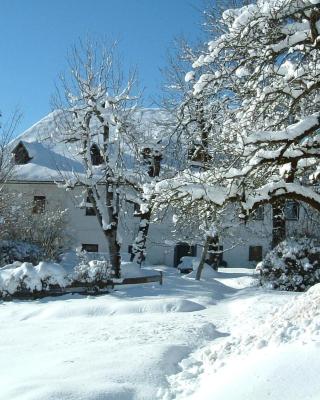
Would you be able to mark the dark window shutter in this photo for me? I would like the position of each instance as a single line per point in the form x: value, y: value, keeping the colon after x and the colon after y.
x: 255, y: 253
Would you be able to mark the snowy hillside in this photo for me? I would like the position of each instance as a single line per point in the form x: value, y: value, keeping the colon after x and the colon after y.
x: 220, y: 338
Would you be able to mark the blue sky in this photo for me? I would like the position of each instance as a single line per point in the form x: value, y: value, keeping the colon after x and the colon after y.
x: 35, y: 36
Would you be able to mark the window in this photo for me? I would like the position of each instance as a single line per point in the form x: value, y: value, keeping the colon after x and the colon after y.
x: 39, y: 204
x: 89, y: 209
x: 136, y: 210
x: 183, y: 249
x: 90, y: 248
x: 291, y: 211
x: 255, y: 253
x: 258, y: 214
x: 96, y: 158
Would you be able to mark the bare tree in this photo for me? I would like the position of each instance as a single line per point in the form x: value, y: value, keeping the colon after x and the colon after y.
x: 196, y: 133
x: 152, y: 156
x: 96, y: 121
x: 7, y: 131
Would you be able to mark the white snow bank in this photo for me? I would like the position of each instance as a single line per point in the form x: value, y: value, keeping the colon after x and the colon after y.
x: 188, y: 263
x: 295, y: 324
x: 28, y: 277
x: 132, y: 270
x: 93, y: 356
x: 278, y: 374
x: 58, y: 310
x: 240, y: 282
x: 158, y: 306
x: 207, y: 273
x: 15, y: 264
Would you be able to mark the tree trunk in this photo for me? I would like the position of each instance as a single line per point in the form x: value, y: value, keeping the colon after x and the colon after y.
x: 213, y: 253
x: 210, y: 241
x: 111, y: 233
x: 203, y: 259
x: 204, y: 134
x: 114, y: 252
x: 139, y: 245
x: 278, y: 223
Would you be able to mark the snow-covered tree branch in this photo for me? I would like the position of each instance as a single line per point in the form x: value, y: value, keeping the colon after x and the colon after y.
x: 265, y: 67
x: 96, y: 122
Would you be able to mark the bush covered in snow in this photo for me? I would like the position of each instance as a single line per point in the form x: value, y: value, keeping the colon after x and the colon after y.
x: 292, y: 265
x: 22, y: 227
x: 24, y: 277
x: 13, y: 250
x: 93, y: 271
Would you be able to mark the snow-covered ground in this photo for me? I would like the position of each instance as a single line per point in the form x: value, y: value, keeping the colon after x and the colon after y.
x: 221, y: 338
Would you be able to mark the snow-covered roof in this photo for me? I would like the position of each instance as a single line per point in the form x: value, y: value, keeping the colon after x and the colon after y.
x: 52, y: 160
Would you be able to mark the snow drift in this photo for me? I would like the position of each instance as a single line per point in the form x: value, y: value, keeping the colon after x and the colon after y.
x: 272, y: 351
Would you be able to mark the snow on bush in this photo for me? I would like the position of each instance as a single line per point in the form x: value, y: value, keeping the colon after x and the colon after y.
x: 292, y: 265
x: 28, y: 278
x: 298, y: 321
x: 13, y: 250
x: 93, y: 271
x: 25, y: 278
x: 75, y: 269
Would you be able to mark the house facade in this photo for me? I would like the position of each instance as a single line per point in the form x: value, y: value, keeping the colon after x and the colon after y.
x: 41, y: 164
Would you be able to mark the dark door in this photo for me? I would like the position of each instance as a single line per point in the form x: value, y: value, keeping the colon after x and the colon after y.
x: 182, y: 250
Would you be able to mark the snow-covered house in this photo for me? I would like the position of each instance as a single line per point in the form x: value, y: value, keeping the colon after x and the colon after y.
x: 41, y: 163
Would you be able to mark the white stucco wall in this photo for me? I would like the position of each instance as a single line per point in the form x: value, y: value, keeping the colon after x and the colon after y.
x: 160, y: 243
x: 86, y: 229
